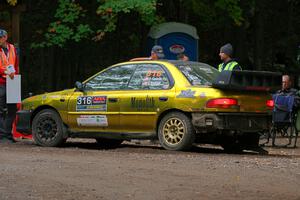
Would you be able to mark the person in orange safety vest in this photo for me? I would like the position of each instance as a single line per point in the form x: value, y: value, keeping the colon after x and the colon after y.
x: 8, y: 68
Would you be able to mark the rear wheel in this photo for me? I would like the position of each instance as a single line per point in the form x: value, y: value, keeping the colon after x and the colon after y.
x: 47, y: 128
x: 176, y: 132
x: 108, y: 143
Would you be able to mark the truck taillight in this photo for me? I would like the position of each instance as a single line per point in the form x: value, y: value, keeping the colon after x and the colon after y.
x: 221, y: 103
x: 270, y: 103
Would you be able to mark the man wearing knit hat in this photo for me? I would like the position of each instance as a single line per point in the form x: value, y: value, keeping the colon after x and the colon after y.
x: 228, y: 63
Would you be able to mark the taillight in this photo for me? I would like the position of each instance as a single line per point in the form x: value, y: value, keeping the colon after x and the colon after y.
x: 221, y: 103
x: 270, y: 103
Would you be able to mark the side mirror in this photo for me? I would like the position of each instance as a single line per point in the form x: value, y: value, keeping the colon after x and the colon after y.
x: 79, y: 86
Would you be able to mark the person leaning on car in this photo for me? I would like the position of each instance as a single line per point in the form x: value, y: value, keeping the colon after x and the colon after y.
x: 228, y: 63
x: 8, y: 68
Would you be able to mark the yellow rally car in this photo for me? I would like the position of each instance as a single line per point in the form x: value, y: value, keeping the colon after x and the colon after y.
x: 180, y: 103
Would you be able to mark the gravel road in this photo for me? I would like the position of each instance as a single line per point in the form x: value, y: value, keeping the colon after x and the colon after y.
x: 80, y: 170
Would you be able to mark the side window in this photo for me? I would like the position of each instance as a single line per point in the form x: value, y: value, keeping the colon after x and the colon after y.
x: 115, y: 78
x: 149, y: 77
x: 193, y: 76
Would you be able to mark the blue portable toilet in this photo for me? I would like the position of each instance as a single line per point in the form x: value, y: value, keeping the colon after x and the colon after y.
x: 175, y: 38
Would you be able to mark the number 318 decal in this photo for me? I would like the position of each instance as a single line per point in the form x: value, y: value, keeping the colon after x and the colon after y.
x: 154, y: 73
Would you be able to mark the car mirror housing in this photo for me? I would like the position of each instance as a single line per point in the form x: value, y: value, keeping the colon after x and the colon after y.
x: 79, y: 86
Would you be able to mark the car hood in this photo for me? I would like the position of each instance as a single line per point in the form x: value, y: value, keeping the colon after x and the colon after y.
x: 46, y: 98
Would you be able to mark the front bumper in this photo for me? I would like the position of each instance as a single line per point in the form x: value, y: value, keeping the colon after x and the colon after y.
x: 23, y: 124
x: 238, y: 122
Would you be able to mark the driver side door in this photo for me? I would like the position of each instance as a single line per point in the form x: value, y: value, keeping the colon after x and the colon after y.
x: 97, y: 107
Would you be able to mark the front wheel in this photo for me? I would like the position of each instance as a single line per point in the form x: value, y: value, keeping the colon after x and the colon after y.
x: 47, y: 129
x: 176, y: 132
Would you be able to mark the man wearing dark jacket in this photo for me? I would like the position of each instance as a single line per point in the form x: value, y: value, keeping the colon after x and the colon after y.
x: 286, y: 87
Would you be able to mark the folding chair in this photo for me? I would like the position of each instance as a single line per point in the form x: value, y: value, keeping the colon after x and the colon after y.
x: 284, y: 119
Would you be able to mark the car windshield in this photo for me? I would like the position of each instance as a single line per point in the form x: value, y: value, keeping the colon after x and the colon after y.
x: 198, y: 74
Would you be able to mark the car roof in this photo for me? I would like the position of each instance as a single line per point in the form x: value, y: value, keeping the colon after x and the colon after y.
x: 180, y: 62
x: 175, y: 62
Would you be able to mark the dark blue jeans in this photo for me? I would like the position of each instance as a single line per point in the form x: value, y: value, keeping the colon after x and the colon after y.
x: 7, y: 115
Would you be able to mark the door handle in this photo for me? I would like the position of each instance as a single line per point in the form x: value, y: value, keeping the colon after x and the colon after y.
x: 113, y: 100
x: 163, y: 98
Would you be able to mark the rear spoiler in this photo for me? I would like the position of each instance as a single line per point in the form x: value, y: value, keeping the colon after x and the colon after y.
x: 248, y: 80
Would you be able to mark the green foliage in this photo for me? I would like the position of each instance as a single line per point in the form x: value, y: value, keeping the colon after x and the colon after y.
x: 204, y: 10
x: 146, y: 9
x: 232, y: 8
x: 69, y: 14
x: 67, y: 26
x: 110, y: 9
x: 214, y: 13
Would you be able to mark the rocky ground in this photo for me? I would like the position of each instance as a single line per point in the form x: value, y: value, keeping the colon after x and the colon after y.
x: 81, y: 170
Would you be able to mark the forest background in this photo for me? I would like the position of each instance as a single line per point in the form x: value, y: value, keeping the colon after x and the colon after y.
x: 64, y: 41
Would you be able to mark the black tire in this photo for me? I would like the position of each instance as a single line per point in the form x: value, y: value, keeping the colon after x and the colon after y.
x: 47, y: 129
x: 105, y: 143
x: 176, y: 132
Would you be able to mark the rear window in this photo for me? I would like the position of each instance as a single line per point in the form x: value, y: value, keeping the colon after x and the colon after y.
x: 198, y: 74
